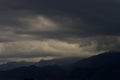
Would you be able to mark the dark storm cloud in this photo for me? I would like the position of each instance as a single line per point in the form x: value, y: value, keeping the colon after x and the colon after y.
x: 58, y: 27
x: 100, y: 16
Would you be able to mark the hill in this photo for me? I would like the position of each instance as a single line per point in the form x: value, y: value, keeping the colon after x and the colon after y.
x: 105, y: 66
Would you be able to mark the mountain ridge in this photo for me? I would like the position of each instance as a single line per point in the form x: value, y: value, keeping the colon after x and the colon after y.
x: 97, y: 69
x: 103, y: 59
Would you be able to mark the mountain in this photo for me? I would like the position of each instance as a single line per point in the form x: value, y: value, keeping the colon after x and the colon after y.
x: 43, y: 73
x: 12, y: 65
x: 105, y: 66
x: 42, y: 63
x: 110, y: 58
x: 59, y: 62
x: 45, y: 69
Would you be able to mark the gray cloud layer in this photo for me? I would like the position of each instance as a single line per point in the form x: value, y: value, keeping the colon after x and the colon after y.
x: 92, y: 17
x: 91, y: 24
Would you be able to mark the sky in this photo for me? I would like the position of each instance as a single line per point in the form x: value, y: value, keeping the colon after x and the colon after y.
x: 35, y: 29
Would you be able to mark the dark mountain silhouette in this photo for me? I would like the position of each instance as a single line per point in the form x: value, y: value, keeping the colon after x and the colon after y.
x: 110, y: 58
x: 59, y: 62
x: 12, y: 65
x: 48, y: 72
x: 42, y: 63
x: 105, y: 66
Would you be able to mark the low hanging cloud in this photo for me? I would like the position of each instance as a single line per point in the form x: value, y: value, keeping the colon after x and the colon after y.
x: 54, y: 48
x: 30, y: 49
x: 49, y: 28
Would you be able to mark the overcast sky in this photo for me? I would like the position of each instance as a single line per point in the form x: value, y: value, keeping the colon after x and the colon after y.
x: 34, y: 29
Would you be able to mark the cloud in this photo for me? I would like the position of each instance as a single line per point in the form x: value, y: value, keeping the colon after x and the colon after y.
x: 102, y: 43
x: 81, y: 18
x: 32, y: 28
x: 37, y: 48
x: 39, y: 23
x: 46, y: 48
x: 102, y: 18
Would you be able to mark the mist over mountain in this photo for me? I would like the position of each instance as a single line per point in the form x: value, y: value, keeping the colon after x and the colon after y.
x: 42, y: 63
x: 59, y: 62
x: 13, y: 65
x: 98, y: 67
